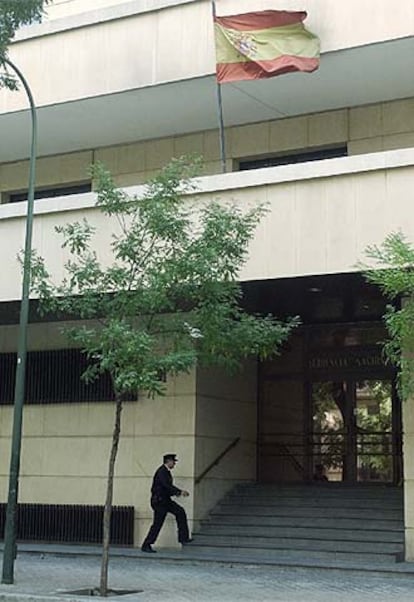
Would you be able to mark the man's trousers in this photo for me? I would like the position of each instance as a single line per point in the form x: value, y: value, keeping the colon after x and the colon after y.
x: 161, y: 510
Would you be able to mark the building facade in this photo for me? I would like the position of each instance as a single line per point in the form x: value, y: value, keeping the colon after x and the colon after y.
x: 132, y: 84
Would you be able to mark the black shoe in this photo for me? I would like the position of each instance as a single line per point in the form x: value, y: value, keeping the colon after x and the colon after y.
x: 147, y: 548
x: 184, y: 543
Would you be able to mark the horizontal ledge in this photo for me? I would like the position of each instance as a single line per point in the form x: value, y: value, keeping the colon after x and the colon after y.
x: 221, y: 183
x: 94, y: 17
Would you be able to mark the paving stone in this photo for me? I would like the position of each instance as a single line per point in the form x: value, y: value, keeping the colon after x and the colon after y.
x: 46, y: 577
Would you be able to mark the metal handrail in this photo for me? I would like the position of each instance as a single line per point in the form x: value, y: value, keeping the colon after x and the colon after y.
x: 297, y: 465
x: 217, y: 460
x: 327, y: 432
x: 367, y: 443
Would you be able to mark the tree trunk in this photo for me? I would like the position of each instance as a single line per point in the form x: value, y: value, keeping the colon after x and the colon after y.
x: 103, y: 588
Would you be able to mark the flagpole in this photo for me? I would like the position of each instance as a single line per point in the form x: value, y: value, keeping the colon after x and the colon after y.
x: 220, y: 109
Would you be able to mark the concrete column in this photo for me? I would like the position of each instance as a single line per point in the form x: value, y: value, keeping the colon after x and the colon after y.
x: 408, y: 455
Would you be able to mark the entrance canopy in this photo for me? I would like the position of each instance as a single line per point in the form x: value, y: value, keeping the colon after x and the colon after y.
x: 323, y: 299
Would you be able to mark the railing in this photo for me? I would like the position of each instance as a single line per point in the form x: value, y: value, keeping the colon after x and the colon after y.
x: 360, y: 455
x: 217, y: 460
x: 285, y: 452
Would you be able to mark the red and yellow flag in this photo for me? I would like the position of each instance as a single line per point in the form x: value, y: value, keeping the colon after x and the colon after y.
x: 264, y: 44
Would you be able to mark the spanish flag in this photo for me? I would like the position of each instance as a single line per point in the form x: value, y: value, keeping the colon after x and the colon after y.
x: 264, y: 44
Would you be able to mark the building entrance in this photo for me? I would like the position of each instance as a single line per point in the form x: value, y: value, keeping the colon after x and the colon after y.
x: 352, y: 434
x: 328, y: 409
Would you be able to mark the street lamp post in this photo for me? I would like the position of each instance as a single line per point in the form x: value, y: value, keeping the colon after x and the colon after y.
x: 19, y: 389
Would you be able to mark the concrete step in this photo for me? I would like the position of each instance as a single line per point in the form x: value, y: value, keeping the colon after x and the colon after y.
x: 292, y: 556
x: 354, y: 564
x: 306, y: 524
x: 193, y: 553
x: 309, y: 511
x: 365, y: 488
x: 316, y: 500
x: 280, y: 543
x: 295, y: 532
x: 315, y: 495
x: 326, y: 488
x: 295, y: 521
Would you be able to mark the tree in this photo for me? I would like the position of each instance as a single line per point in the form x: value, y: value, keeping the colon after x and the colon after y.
x: 376, y: 457
x: 328, y: 423
x: 170, y: 299
x: 13, y: 15
x: 371, y: 422
x: 391, y: 269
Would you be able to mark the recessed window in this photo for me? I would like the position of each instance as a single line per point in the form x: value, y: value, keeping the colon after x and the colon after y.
x: 55, y: 377
x: 295, y: 157
x: 46, y: 193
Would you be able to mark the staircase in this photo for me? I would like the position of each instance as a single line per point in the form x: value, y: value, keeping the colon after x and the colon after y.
x: 323, y: 524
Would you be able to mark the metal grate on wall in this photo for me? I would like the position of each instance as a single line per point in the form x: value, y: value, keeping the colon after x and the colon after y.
x: 51, y: 192
x: 333, y: 152
x: 70, y: 523
x: 54, y: 377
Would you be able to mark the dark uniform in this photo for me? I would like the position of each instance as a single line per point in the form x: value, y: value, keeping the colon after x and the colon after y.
x: 161, y: 492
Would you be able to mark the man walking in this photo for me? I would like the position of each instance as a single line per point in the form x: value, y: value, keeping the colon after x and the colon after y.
x: 161, y: 492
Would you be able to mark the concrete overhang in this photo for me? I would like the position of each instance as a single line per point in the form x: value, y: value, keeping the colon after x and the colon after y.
x: 347, y: 78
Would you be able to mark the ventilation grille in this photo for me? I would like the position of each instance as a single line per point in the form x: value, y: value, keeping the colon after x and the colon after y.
x: 70, y: 523
x: 54, y: 377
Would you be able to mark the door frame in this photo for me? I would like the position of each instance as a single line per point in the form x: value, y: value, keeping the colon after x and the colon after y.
x: 351, y: 377
x: 355, y: 362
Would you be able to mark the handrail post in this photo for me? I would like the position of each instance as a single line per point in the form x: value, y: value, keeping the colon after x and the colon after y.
x: 19, y: 390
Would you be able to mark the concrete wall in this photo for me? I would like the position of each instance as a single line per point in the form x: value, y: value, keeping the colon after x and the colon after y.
x: 322, y: 215
x: 60, y: 9
x: 65, y: 448
x: 282, y: 413
x: 321, y: 218
x: 408, y: 449
x: 347, y: 211
x: 342, y: 25
x: 119, y: 54
x: 379, y: 127
x: 226, y: 409
x: 91, y: 55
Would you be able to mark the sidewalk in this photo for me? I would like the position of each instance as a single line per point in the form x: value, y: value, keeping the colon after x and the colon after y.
x: 49, y: 574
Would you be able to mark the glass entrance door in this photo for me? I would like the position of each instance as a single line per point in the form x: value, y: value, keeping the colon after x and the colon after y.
x: 352, y: 431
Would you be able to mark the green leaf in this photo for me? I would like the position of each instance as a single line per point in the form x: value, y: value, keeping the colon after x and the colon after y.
x: 391, y: 268
x: 13, y: 15
x: 169, y: 298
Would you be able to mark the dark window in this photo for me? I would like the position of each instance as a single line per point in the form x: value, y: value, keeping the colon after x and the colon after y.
x: 53, y: 377
x: 43, y: 193
x: 296, y: 157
